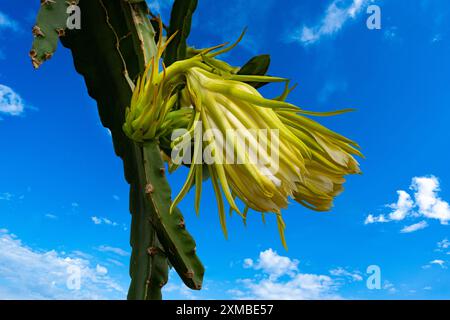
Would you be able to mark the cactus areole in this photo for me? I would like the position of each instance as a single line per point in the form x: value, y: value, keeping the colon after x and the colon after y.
x: 147, y: 89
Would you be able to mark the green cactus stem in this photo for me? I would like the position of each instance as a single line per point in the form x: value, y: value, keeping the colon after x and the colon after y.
x: 180, y: 23
x: 115, y: 42
x: 50, y: 26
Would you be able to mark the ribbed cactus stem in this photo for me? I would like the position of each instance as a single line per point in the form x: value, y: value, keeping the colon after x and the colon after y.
x: 179, y: 245
x: 110, y: 51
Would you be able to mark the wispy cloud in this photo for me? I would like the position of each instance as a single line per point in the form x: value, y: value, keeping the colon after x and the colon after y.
x: 389, y: 287
x: 414, y: 227
x: 436, y: 262
x: 375, y: 219
x: 10, y: 102
x: 101, y: 220
x: 114, y: 250
x: 342, y: 272
x: 8, y: 23
x: 27, y: 273
x: 115, y: 262
x: 426, y: 205
x: 337, y: 14
x: 101, y: 270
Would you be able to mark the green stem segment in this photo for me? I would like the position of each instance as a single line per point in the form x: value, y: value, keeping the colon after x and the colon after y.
x: 179, y: 245
x: 110, y: 51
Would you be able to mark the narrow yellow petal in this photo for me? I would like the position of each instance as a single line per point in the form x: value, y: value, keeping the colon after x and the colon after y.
x: 219, y: 201
x: 281, y: 227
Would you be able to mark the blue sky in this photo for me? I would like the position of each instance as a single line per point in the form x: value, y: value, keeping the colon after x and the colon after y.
x: 63, y: 198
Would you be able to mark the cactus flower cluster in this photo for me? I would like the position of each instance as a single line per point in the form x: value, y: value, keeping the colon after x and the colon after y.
x: 207, y: 92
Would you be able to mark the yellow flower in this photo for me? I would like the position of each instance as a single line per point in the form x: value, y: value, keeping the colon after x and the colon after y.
x: 311, y: 160
x: 331, y: 159
x: 260, y: 151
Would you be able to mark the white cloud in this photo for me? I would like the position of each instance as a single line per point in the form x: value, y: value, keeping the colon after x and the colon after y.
x: 438, y: 262
x: 426, y: 204
x: 341, y: 272
x: 27, y: 273
x: 388, y: 286
x: 96, y: 220
x: 248, y: 263
x: 375, y: 219
x: 115, y: 262
x: 181, y: 290
x: 8, y: 23
x: 51, y: 216
x: 414, y: 227
x: 100, y: 220
x: 300, y: 287
x: 114, y: 250
x: 10, y: 102
x: 427, y: 200
x: 266, y: 280
x: 335, y: 17
x: 176, y: 289
x: 403, y: 206
x: 273, y: 264
x: 401, y: 209
x: 101, y: 270
x: 280, y: 279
